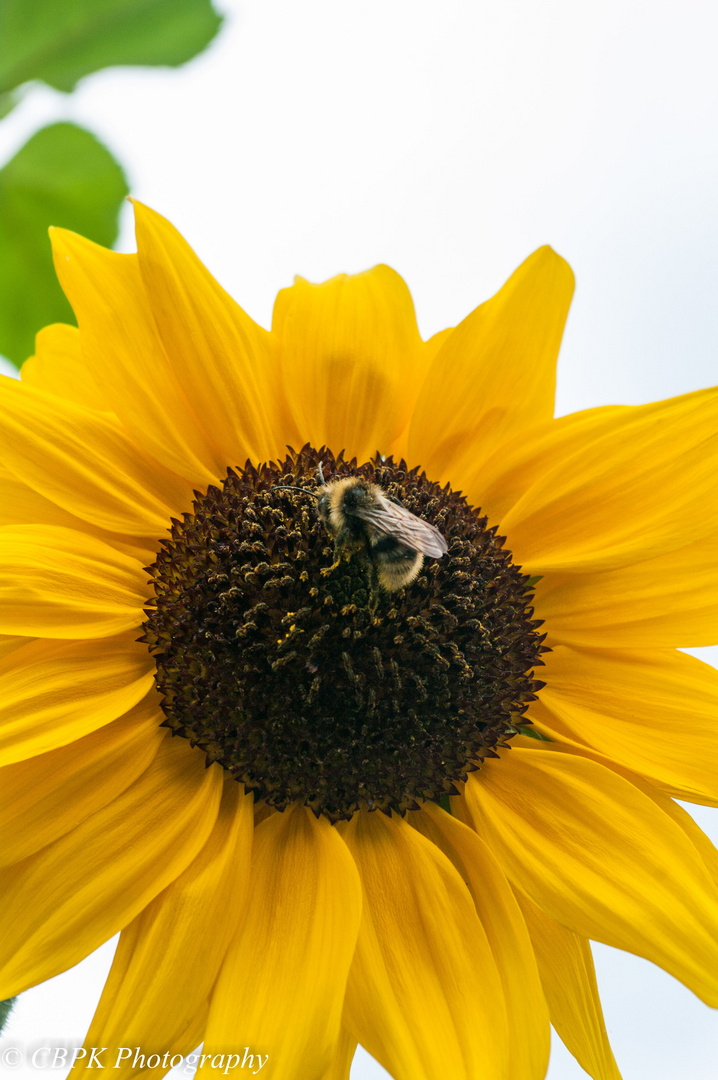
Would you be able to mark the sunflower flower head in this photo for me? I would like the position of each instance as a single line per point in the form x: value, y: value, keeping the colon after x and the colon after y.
x: 307, y: 680
x: 280, y: 612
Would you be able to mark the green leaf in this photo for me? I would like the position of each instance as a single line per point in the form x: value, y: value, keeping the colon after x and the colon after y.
x: 61, y: 176
x: 8, y: 101
x: 526, y: 729
x: 60, y: 41
x: 5, y: 1010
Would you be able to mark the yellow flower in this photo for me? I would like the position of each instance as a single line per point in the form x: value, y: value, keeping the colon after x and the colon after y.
x: 263, y: 903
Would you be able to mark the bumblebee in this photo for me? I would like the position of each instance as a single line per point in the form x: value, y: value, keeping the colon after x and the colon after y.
x: 363, y: 519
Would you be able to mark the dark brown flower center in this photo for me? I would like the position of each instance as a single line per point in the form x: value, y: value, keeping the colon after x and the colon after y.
x: 312, y: 683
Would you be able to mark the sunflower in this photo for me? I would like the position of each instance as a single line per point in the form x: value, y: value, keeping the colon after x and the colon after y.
x: 321, y: 812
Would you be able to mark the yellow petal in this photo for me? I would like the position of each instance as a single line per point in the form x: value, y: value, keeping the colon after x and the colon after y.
x: 52, y: 693
x: 58, y: 368
x: 508, y: 937
x: 424, y: 996
x: 224, y: 362
x: 664, y: 602
x: 63, y: 902
x: 168, y: 958
x: 21, y: 505
x: 495, y: 375
x: 122, y: 348
x: 83, y: 461
x: 150, y: 1061
x: 702, y: 846
x: 10, y: 642
x: 43, y: 798
x: 343, y: 1057
x: 421, y: 364
x: 596, y: 854
x: 499, y: 483
x: 59, y: 583
x: 281, y: 988
x: 569, y: 982
x: 653, y: 712
x: 147, y: 1060
x: 642, y: 486
x: 706, y: 851
x: 350, y: 354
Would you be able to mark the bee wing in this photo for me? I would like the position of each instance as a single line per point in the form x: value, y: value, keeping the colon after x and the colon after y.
x: 410, y: 530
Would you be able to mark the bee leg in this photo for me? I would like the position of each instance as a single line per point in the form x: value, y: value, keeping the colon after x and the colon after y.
x: 327, y: 570
x: 374, y: 587
x: 339, y: 553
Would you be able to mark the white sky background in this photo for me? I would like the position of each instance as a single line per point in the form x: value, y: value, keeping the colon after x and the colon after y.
x: 449, y: 139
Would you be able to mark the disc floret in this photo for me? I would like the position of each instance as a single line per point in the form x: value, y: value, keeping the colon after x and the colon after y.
x: 283, y: 665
